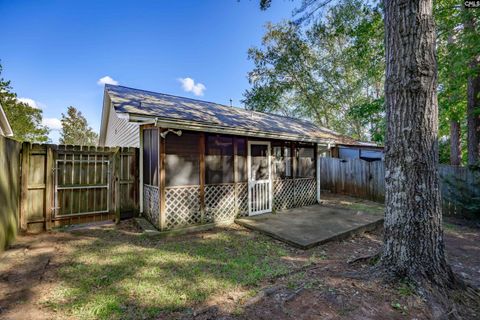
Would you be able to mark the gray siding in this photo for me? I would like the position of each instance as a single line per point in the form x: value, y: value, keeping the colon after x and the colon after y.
x: 121, y: 133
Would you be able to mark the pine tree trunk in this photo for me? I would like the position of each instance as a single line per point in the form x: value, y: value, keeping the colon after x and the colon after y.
x: 455, y: 143
x: 413, y: 241
x: 473, y: 116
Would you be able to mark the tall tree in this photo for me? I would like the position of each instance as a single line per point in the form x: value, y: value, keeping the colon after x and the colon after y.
x: 324, y: 72
x: 26, y: 121
x: 473, y: 89
x: 455, y: 143
x: 75, y: 129
x: 413, y: 241
x: 458, y: 36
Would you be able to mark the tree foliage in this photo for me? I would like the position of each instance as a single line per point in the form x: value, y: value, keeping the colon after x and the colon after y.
x: 26, y: 121
x: 75, y: 129
x: 340, y: 49
x: 457, y: 46
x: 330, y: 71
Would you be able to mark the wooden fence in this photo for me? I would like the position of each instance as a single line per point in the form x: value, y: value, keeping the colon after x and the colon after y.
x: 9, y: 190
x: 365, y: 179
x: 64, y: 184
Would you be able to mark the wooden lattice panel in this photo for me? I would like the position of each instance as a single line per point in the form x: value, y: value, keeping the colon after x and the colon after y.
x: 150, y: 204
x: 182, y: 206
x: 283, y: 194
x: 242, y: 199
x: 219, y: 202
x: 305, y: 192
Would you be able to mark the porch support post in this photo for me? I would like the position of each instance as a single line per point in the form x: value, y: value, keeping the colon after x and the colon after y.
x: 161, y: 181
x: 235, y: 176
x: 294, y: 160
x: 317, y: 157
x: 140, y: 157
x: 201, y: 150
x: 294, y: 172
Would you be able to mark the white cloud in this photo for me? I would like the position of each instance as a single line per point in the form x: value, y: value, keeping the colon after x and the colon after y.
x: 32, y: 103
x: 189, y: 85
x: 52, y: 123
x: 106, y: 80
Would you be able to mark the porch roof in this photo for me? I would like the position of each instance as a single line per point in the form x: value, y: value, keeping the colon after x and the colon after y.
x: 191, y: 114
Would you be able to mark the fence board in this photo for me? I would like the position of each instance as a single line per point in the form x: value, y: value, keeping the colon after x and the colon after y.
x: 364, y: 179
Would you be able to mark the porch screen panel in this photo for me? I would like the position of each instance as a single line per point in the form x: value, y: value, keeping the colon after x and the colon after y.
x: 150, y: 157
x: 282, y: 160
x: 147, y: 137
x: 154, y: 159
x: 287, y: 158
x: 241, y: 160
x: 182, y: 159
x: 219, y: 159
x: 306, y: 162
x: 278, y: 164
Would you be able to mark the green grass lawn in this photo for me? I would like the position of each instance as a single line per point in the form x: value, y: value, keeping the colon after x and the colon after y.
x: 111, y: 274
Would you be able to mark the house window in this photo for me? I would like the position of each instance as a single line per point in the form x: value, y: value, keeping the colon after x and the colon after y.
x: 150, y: 157
x: 182, y: 159
x: 306, y: 162
x: 282, y: 161
x: 219, y: 159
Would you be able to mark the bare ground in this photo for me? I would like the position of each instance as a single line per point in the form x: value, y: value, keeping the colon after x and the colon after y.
x: 328, y: 288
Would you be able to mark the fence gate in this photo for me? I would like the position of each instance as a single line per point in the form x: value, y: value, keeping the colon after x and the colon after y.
x: 82, y: 185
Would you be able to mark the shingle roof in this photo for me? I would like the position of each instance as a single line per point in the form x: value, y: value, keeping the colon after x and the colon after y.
x: 169, y: 107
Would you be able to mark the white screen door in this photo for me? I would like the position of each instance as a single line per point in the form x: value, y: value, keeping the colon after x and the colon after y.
x: 259, y: 178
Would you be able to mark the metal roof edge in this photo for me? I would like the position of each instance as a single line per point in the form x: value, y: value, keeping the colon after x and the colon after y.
x: 196, y: 126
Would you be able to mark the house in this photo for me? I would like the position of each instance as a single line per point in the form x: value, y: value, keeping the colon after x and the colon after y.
x: 202, y: 162
x: 5, y: 129
x: 367, y: 151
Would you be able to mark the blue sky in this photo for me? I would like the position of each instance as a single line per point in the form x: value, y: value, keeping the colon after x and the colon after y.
x: 55, y: 52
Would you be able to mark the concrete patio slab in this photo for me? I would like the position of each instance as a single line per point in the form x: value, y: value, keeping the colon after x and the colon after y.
x: 309, y: 226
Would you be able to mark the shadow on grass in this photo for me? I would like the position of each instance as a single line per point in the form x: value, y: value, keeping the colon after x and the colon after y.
x: 114, y: 274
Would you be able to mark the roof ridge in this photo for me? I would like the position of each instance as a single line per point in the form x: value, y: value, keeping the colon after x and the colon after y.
x: 223, y: 105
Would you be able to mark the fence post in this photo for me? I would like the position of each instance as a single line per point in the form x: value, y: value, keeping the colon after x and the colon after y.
x: 369, y: 185
x: 24, y: 186
x: 48, y: 187
x: 116, y: 184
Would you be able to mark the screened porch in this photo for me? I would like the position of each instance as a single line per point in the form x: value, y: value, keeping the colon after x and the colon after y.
x: 191, y: 178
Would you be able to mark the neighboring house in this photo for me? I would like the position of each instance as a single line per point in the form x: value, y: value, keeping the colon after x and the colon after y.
x: 360, y: 150
x: 5, y: 129
x: 203, y: 162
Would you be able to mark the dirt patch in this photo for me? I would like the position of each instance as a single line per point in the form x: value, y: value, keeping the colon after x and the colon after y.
x: 462, y: 241
x: 320, y: 283
x: 23, y: 268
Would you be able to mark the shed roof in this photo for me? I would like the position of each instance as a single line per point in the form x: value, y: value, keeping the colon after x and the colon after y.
x: 187, y: 112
